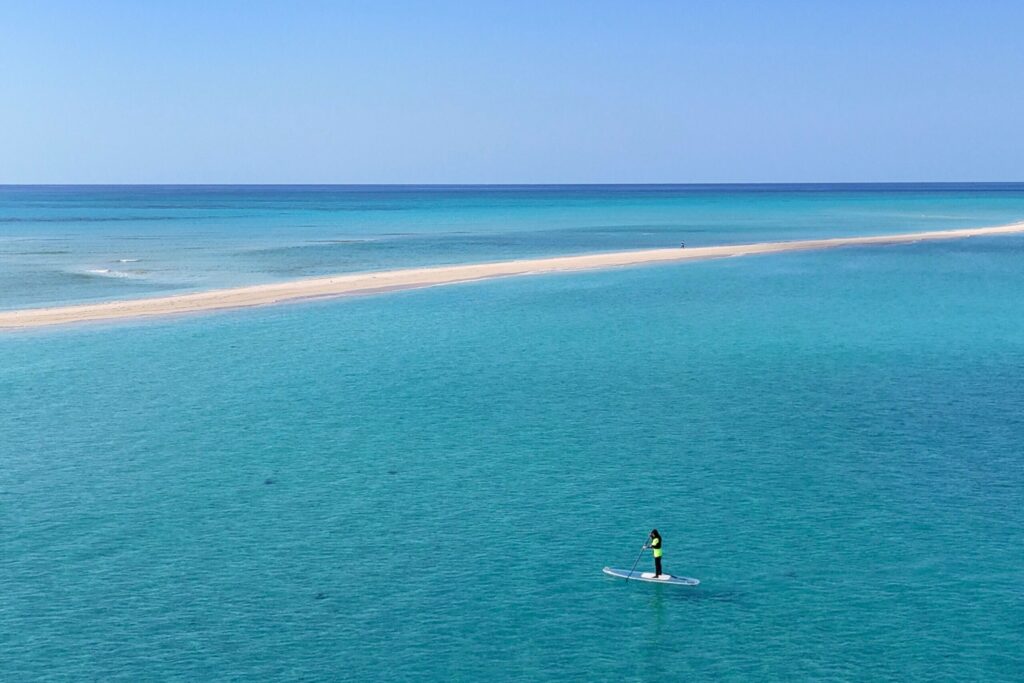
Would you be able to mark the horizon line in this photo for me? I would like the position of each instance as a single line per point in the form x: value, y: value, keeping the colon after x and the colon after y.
x: 536, y: 184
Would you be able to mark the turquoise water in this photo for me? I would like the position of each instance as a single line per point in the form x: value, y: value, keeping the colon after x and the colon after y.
x: 425, y: 485
x: 74, y: 244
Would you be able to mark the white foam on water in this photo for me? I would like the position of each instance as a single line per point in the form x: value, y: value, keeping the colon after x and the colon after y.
x: 107, y: 272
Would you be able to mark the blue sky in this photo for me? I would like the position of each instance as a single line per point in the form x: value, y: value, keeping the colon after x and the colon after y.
x: 478, y: 92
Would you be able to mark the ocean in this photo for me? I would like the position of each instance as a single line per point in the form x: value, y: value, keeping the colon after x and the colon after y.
x: 61, y: 244
x: 425, y: 485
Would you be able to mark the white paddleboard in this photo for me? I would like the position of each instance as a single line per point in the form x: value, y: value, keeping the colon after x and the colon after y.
x: 649, y: 576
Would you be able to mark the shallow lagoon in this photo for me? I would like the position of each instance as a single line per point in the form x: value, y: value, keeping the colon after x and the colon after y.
x: 426, y: 485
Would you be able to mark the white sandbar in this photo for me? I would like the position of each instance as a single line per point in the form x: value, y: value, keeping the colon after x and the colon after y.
x: 411, y: 278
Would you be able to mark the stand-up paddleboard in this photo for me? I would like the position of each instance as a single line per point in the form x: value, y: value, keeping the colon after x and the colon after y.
x: 649, y: 576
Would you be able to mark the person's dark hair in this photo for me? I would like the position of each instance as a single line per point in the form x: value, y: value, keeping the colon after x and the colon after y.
x: 655, y: 534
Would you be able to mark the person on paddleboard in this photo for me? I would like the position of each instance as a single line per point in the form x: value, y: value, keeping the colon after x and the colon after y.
x: 655, y: 545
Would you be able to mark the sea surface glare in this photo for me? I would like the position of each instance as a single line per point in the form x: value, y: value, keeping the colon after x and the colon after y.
x: 425, y: 485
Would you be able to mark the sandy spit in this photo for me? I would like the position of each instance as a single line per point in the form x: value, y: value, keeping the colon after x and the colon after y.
x: 366, y: 283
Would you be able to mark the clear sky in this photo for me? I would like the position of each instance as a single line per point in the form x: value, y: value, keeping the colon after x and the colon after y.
x: 491, y: 92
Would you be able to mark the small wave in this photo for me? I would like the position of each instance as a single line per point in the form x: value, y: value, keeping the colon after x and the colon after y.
x: 107, y: 272
x: 127, y: 260
x: 348, y: 241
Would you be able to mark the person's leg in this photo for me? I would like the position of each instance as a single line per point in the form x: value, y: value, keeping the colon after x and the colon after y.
x: 657, y: 567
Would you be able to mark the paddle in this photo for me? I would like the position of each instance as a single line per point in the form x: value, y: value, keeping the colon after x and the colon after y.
x: 642, y: 549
